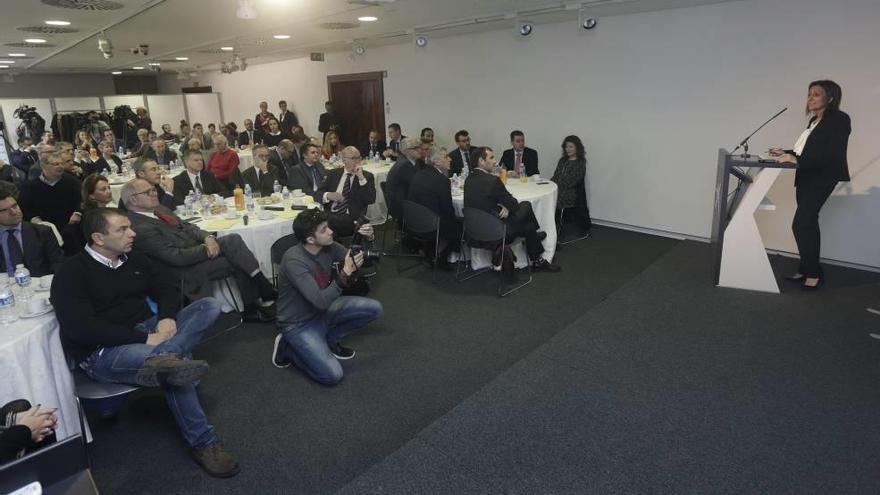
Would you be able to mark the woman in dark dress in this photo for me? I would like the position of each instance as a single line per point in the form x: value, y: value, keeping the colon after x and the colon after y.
x: 106, y: 163
x: 820, y: 154
x: 571, y: 170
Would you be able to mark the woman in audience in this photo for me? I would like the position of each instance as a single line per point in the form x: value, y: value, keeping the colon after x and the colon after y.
x: 820, y: 155
x: 144, y: 120
x: 103, y: 163
x: 96, y: 193
x: 332, y: 145
x: 275, y: 135
x: 230, y: 132
x: 83, y: 140
x: 24, y: 429
x: 571, y: 170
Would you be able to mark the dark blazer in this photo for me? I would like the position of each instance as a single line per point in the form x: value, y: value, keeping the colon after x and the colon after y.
x: 529, y: 160
x: 40, y: 250
x: 327, y: 122
x: 282, y: 166
x: 298, y: 177
x: 823, y: 158
x: 101, y: 164
x: 360, y: 197
x: 210, y: 185
x: 167, y: 157
x: 458, y: 162
x: 366, y: 148
x: 484, y: 191
x: 266, y: 183
x: 397, y: 185
x: 141, y: 149
x: 431, y: 188
x: 287, y: 121
x: 270, y: 140
x: 244, y: 139
x: 24, y: 160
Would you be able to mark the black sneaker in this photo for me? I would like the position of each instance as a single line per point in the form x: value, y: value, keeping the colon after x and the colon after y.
x: 340, y: 351
x: 543, y: 265
x: 216, y: 461
x: 279, y: 359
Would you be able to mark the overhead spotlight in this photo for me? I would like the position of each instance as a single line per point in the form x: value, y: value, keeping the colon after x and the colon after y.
x: 421, y: 41
x: 246, y: 10
x: 525, y: 28
x: 105, y: 46
x: 141, y: 49
x: 358, y: 49
x: 587, y: 23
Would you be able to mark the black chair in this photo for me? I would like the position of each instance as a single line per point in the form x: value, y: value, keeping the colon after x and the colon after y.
x: 424, y: 225
x: 582, y: 213
x: 481, y: 230
x: 276, y: 252
x: 399, y: 229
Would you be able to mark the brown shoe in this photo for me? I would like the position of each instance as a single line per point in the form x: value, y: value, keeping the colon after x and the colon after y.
x: 216, y: 461
x: 170, y: 369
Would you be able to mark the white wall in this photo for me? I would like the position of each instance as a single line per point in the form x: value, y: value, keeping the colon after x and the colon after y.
x: 54, y: 85
x: 652, y: 95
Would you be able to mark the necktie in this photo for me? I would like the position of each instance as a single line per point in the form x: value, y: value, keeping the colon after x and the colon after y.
x: 13, y: 252
x: 316, y: 178
x: 517, y: 164
x: 198, y: 184
x: 342, y: 206
x: 464, y: 158
x: 169, y: 219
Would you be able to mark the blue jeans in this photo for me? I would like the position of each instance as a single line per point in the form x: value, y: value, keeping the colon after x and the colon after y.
x: 120, y: 364
x: 307, y: 341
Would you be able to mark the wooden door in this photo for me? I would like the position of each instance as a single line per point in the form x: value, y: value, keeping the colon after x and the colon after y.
x: 359, y: 102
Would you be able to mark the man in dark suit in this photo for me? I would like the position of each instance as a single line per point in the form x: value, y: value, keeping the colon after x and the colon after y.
x: 394, y: 137
x: 519, y: 159
x: 430, y: 187
x: 195, y: 255
x: 346, y: 193
x: 461, y: 156
x: 32, y: 245
x: 374, y: 144
x: 148, y: 169
x: 158, y: 151
x: 195, y: 178
x: 25, y: 156
x: 328, y: 121
x: 262, y: 176
x: 400, y: 176
x: 486, y: 192
x: 286, y: 118
x: 283, y: 158
x: 249, y: 136
x: 310, y: 173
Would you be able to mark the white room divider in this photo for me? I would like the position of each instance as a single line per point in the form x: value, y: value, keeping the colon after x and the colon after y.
x: 204, y: 108
x: 77, y: 104
x: 166, y: 109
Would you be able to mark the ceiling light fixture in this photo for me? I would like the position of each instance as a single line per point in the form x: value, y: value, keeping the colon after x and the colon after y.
x: 281, y: 36
x: 105, y: 46
x: 182, y: 59
x: 227, y: 48
x: 4, y: 66
x: 368, y: 18
x: 7, y: 61
x: 421, y: 40
x: 35, y: 41
x: 246, y: 10
x: 155, y: 64
x: 57, y: 23
x: 16, y: 54
x: 138, y: 67
x: 525, y: 28
x: 116, y: 72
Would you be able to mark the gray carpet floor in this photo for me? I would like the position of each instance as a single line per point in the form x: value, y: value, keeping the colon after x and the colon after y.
x: 437, y: 345
x: 672, y: 386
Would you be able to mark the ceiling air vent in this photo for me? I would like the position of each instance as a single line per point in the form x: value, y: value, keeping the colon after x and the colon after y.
x: 84, y: 4
x: 336, y: 26
x: 48, y: 29
x: 20, y: 44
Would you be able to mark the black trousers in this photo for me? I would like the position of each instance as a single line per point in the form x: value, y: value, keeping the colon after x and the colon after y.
x: 810, y: 198
x: 342, y: 224
x: 523, y: 223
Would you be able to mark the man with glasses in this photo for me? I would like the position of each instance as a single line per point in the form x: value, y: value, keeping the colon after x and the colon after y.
x: 54, y: 196
x: 32, y: 245
x: 262, y: 176
x: 149, y: 170
x: 401, y: 174
x: 346, y: 193
x: 195, y: 254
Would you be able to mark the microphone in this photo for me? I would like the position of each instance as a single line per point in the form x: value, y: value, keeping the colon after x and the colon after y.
x: 745, y: 142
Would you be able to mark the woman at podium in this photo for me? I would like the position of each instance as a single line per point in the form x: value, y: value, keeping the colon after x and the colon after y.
x: 820, y: 155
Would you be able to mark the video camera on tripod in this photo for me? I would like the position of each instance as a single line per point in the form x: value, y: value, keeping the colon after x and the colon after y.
x: 32, y: 125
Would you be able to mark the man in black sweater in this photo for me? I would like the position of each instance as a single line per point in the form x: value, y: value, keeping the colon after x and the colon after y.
x: 108, y: 327
x: 430, y: 187
x: 484, y: 191
x: 400, y: 176
x: 54, y: 196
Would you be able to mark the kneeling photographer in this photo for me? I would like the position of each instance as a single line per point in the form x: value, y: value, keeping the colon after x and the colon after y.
x: 313, y: 315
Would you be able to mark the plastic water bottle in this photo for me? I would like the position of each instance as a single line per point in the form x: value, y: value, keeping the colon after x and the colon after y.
x: 121, y: 150
x: 7, y: 303
x: 276, y: 187
x: 206, y: 207
x: 250, y: 204
x: 248, y: 192
x: 285, y: 193
x: 464, y: 173
x: 23, y: 279
x: 188, y: 204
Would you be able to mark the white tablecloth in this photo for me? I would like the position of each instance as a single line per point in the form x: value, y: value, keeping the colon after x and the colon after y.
x: 116, y: 182
x: 33, y: 367
x: 378, y: 211
x: 543, y: 199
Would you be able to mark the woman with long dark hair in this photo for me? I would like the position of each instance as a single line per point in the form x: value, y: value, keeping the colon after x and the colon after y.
x: 820, y: 154
x: 571, y: 169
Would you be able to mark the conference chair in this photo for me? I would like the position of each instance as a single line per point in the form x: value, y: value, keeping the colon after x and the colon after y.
x: 485, y: 230
x: 398, y: 232
x: 423, y: 225
x: 276, y: 253
x: 580, y: 210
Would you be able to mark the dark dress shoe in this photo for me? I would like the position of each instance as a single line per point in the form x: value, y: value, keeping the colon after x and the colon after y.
x: 545, y: 266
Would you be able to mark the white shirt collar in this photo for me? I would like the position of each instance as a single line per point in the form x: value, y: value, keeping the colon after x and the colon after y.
x: 46, y: 181
x: 100, y: 258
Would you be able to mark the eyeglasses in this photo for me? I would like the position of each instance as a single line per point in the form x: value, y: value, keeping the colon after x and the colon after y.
x: 151, y: 191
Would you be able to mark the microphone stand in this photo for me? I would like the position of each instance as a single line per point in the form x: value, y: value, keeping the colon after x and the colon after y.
x: 745, y: 142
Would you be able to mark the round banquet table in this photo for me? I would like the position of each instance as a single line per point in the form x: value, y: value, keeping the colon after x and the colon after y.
x: 117, y: 181
x: 543, y: 199
x: 33, y: 367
